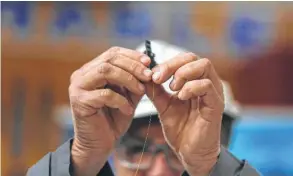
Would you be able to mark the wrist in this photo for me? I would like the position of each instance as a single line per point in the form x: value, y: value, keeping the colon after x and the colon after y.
x: 201, y: 165
x: 88, y: 160
x: 205, y: 169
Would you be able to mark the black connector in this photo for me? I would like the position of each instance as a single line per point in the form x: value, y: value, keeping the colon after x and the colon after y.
x: 150, y: 53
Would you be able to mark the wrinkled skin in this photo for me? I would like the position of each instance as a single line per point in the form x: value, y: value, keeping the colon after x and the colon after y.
x: 104, y: 94
x: 191, y: 118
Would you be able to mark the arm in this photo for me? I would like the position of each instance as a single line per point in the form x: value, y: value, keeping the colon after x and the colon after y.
x: 103, y: 95
x: 191, y: 118
x: 54, y: 163
x: 228, y: 165
x: 58, y: 163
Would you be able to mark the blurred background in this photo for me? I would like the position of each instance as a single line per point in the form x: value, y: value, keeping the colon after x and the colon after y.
x: 250, y: 44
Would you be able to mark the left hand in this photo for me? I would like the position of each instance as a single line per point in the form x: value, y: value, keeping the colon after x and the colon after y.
x: 191, y: 118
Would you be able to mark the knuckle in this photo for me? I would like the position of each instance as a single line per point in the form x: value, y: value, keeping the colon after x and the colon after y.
x: 134, y: 66
x: 107, y: 93
x: 192, y: 56
x: 207, y: 83
x: 167, y: 68
x: 130, y: 77
x: 116, y: 73
x: 114, y: 58
x: 114, y: 49
x: 74, y: 75
x: 103, y: 68
x: 207, y: 63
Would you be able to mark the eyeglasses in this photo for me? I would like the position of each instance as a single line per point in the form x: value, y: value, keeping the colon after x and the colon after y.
x: 129, y: 154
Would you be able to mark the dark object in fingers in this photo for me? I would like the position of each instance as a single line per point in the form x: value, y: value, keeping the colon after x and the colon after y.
x: 150, y: 54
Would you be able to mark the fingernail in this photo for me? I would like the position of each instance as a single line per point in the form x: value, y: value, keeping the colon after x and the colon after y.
x: 141, y: 87
x: 145, y: 59
x: 173, y: 84
x: 147, y: 72
x: 156, y: 75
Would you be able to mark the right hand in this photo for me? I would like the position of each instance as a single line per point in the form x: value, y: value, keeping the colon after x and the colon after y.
x: 103, y: 96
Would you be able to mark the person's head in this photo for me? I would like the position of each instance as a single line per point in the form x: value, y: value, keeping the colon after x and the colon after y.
x: 157, y: 160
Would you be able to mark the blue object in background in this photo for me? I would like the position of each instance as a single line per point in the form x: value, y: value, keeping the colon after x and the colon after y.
x: 248, y: 36
x: 132, y: 22
x: 180, y: 28
x: 267, y: 144
x: 72, y: 19
x: 20, y: 10
x: 244, y: 32
x: 67, y: 15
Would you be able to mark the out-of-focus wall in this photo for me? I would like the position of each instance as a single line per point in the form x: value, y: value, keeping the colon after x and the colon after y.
x: 44, y: 42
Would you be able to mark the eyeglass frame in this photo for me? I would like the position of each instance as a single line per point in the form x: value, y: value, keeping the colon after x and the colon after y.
x: 158, y: 148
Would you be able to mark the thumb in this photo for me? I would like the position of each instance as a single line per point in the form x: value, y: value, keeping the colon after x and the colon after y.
x: 157, y: 94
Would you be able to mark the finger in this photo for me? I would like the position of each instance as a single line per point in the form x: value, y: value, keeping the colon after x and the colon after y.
x: 164, y: 71
x: 132, y: 66
x: 116, y: 52
x: 132, y: 98
x: 158, y: 96
x: 199, y: 69
x: 204, y: 89
x: 132, y: 54
x: 107, y: 73
x: 105, y: 97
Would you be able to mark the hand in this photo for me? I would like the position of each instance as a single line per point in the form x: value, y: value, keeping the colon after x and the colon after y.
x: 103, y: 96
x: 190, y: 118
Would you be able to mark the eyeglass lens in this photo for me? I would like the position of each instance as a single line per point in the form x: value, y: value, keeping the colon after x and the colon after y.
x: 132, y: 155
